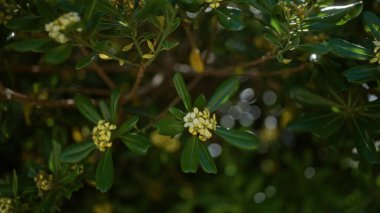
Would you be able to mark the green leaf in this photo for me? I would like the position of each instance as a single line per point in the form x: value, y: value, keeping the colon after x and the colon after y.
x: 104, y: 171
x: 167, y: 45
x: 278, y: 22
x: 230, y: 18
x: 106, y: 7
x: 323, y: 125
x: 240, y: 139
x: 337, y: 15
x: 223, y: 93
x: 304, y: 96
x: 115, y: 97
x: 169, y: 126
x: 151, y: 7
x: 54, y: 158
x: 205, y: 159
x: 317, y: 48
x: 362, y: 73
x: 365, y: 144
x: 272, y: 38
x: 30, y: 45
x: 58, y: 54
x: 104, y: 110
x: 25, y: 23
x: 373, y: 22
x: 90, y: 9
x: 84, y: 62
x: 177, y: 113
x: 264, y: 6
x: 128, y: 125
x: 136, y: 143
x: 85, y: 107
x: 200, y: 102
x: 77, y: 152
x: 182, y: 91
x: 190, y: 155
x: 15, y: 184
x: 349, y: 50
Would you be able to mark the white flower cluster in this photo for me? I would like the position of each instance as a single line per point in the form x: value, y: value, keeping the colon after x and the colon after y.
x: 6, y: 205
x: 101, y: 134
x: 57, y: 27
x: 200, y: 123
x: 377, y: 53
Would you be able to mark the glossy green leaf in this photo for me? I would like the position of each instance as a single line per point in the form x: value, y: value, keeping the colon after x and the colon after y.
x: 200, y: 102
x: 104, y: 171
x: 114, y: 102
x: 205, y: 159
x: 151, y: 7
x: 25, y: 23
x: 77, y: 152
x: 229, y: 18
x: 323, y: 125
x: 362, y: 73
x: 14, y: 184
x: 191, y: 5
x: 182, y: 91
x: 85, y: 61
x: 127, y: 126
x: 338, y: 15
x: 105, y: 6
x: 278, y: 22
x: 317, y: 48
x: 170, y: 127
x: 105, y: 111
x: 373, y: 22
x: 349, y: 50
x: 85, y: 107
x: 190, y: 155
x: 264, y: 6
x: 223, y: 93
x: 91, y: 4
x: 54, y: 158
x: 29, y: 45
x: 136, y: 143
x: 177, y: 113
x: 238, y: 138
x: 59, y: 54
x: 365, y: 144
x: 305, y: 96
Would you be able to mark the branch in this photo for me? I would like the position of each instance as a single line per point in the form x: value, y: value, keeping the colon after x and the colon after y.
x: 102, y: 74
x: 8, y: 94
x: 137, y: 83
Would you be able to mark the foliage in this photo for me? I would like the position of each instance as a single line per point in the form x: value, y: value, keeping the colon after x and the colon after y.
x: 113, y: 103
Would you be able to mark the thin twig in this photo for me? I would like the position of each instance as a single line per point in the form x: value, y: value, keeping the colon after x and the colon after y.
x: 8, y: 94
x: 101, y: 73
x: 83, y: 90
x: 137, y: 83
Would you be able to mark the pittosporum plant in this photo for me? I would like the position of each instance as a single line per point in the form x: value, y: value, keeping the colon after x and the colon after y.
x: 81, y: 78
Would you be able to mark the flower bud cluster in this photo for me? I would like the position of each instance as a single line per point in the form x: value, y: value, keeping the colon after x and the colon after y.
x: 214, y: 3
x: 101, y: 134
x: 57, y: 27
x: 200, y: 123
x: 44, y: 181
x: 7, y: 10
x: 377, y: 53
x: 6, y: 205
